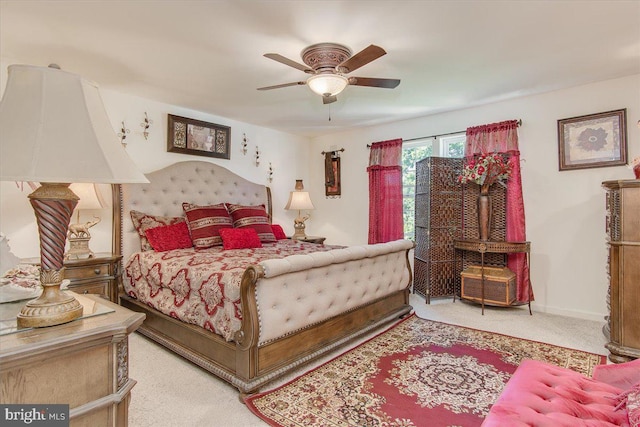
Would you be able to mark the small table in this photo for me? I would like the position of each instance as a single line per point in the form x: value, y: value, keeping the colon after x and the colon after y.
x: 312, y: 239
x: 488, y: 246
x: 83, y: 363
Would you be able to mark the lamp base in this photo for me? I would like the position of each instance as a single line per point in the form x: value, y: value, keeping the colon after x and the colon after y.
x: 53, y: 204
x: 53, y: 307
x: 78, y: 248
x: 299, y: 231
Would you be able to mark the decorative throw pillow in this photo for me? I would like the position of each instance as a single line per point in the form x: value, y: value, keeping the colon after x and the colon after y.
x: 252, y: 217
x: 142, y: 222
x: 633, y: 407
x: 240, y: 238
x: 168, y: 237
x: 278, y: 232
x: 630, y: 400
x: 205, y: 223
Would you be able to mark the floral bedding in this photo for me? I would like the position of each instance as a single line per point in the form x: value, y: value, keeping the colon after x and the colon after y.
x: 202, y: 286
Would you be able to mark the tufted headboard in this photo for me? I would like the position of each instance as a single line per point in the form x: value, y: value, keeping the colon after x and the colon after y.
x: 201, y: 183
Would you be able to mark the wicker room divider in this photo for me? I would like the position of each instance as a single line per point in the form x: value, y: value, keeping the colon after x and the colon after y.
x: 444, y: 211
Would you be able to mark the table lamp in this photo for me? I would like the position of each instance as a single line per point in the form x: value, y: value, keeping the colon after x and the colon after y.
x: 78, y: 234
x: 54, y: 130
x: 299, y: 200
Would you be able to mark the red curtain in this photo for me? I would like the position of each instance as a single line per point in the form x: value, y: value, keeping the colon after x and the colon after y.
x: 503, y: 138
x: 385, y: 191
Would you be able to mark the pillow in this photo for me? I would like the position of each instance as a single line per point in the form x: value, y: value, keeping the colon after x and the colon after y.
x: 240, y: 238
x: 630, y: 400
x: 142, y: 222
x: 168, y: 237
x: 633, y: 406
x: 205, y: 223
x: 252, y: 217
x: 278, y: 232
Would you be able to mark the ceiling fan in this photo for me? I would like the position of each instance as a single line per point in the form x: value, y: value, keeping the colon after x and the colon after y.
x: 328, y: 63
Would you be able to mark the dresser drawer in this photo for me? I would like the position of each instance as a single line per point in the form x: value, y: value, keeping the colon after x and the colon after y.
x: 87, y: 272
x: 98, y: 288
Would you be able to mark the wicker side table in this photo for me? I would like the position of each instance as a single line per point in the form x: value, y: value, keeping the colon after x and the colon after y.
x: 495, y: 247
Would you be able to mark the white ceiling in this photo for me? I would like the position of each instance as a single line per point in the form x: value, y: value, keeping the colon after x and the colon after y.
x: 207, y: 55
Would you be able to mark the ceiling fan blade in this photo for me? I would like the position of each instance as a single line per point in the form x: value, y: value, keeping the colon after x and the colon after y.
x: 361, y: 58
x: 282, y: 85
x: 374, y: 82
x: 329, y: 99
x: 286, y: 61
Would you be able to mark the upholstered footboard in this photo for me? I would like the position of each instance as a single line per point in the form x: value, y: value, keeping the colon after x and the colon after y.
x: 302, y: 306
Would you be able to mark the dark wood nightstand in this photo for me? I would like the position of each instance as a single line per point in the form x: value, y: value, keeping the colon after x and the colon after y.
x: 98, y: 275
x: 313, y: 239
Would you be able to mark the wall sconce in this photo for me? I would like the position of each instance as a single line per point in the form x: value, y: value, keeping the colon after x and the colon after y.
x: 257, y: 156
x: 123, y: 134
x: 270, y: 176
x: 244, y: 144
x: 145, y: 125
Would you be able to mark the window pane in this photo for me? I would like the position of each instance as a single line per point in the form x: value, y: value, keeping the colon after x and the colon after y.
x: 411, y: 153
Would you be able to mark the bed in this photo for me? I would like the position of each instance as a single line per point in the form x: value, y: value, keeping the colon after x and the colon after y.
x: 292, y: 309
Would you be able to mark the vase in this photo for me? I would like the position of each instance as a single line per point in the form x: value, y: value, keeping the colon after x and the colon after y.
x: 484, y: 213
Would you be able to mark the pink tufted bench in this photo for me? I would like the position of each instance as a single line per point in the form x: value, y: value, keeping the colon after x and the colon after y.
x: 543, y: 395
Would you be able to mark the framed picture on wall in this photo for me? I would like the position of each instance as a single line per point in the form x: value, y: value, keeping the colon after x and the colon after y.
x: 190, y: 136
x: 332, y: 184
x: 593, y: 141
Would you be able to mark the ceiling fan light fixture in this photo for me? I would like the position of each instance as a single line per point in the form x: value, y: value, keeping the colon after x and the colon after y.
x: 327, y: 84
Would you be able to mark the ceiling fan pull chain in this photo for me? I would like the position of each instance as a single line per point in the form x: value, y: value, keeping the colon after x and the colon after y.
x: 329, y: 112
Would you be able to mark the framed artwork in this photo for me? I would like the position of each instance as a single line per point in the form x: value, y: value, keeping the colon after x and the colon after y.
x: 189, y: 136
x: 593, y: 141
x: 332, y: 187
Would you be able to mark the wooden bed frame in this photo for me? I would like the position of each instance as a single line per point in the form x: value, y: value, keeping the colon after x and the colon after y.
x: 347, y: 292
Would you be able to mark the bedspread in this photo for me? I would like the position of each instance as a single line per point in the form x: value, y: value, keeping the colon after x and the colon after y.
x: 202, y: 287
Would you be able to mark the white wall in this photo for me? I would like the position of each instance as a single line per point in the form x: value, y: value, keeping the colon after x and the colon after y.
x: 283, y: 150
x: 565, y: 211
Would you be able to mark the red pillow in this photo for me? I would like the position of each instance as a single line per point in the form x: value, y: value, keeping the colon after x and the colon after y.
x: 205, y: 223
x: 240, y: 238
x: 142, y: 222
x: 278, y: 232
x: 168, y: 237
x: 252, y: 217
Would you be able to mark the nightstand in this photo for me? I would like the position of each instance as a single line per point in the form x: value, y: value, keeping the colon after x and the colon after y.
x: 83, y: 363
x: 313, y: 239
x: 98, y: 275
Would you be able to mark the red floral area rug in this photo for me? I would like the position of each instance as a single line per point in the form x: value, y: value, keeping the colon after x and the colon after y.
x: 417, y: 373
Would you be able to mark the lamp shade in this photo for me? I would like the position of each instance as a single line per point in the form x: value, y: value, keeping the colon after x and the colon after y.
x: 327, y: 84
x: 300, y: 201
x: 54, y: 128
x: 90, y: 196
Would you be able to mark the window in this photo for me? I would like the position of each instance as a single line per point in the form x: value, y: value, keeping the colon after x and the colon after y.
x: 413, y: 151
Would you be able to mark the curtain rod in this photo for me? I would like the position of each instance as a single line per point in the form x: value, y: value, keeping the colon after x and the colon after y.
x: 441, y: 134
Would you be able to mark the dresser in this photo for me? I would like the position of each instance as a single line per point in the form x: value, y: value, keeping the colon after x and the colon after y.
x: 83, y: 363
x: 98, y: 275
x: 623, y: 240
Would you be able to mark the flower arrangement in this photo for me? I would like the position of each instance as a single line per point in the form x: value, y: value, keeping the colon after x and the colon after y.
x: 635, y: 166
x: 485, y: 170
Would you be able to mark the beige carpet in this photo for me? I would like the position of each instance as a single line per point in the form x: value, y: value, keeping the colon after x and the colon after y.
x: 185, y: 395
